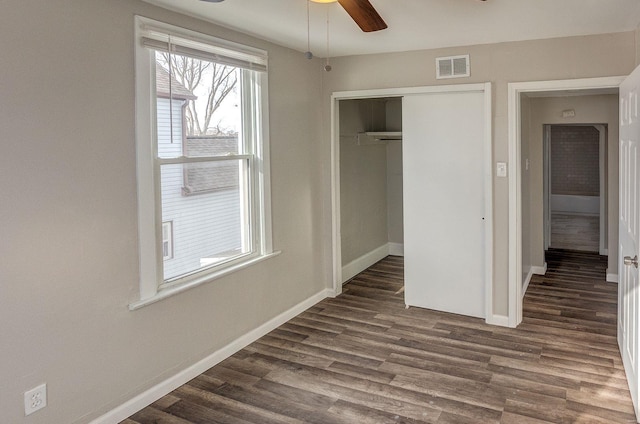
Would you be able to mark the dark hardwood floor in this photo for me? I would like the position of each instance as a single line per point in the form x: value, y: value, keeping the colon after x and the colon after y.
x: 575, y: 232
x: 363, y: 358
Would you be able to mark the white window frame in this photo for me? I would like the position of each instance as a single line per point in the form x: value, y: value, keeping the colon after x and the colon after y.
x: 153, y: 286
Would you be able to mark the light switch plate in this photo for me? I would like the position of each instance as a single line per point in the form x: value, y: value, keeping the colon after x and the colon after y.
x: 501, y: 169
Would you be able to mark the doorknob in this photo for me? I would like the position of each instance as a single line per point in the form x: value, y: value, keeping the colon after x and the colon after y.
x: 628, y: 260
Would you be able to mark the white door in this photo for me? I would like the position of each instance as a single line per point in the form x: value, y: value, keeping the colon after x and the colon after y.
x: 443, y: 174
x: 628, y: 290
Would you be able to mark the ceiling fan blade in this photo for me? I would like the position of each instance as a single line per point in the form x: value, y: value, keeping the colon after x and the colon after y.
x: 364, y: 14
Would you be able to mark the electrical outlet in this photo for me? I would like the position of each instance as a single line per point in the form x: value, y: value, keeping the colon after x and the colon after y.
x: 35, y: 399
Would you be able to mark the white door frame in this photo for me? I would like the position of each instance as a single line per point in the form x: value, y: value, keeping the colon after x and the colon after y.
x: 604, y: 195
x: 515, y: 195
x: 336, y: 97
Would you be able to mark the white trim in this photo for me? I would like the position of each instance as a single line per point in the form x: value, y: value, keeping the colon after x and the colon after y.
x: 179, y: 288
x: 338, y: 270
x: 154, y: 393
x: 539, y: 270
x: 527, y: 280
x: 488, y: 201
x: 402, y: 91
x: 612, y: 278
x: 396, y: 249
x: 515, y: 209
x: 153, y: 286
x: 533, y: 270
x: 358, y: 265
x: 499, y: 320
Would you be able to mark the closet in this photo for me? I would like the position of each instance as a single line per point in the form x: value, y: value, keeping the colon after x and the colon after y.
x: 415, y: 180
x: 370, y: 182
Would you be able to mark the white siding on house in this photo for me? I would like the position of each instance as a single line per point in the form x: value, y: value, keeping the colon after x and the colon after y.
x: 167, y: 149
x: 206, y: 226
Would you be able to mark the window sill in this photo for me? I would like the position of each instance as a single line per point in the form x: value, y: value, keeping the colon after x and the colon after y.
x: 170, y: 291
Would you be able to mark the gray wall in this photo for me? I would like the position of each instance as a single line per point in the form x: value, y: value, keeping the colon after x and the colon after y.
x: 69, y: 248
x: 561, y: 58
x: 370, y: 177
x: 67, y: 182
x: 363, y: 180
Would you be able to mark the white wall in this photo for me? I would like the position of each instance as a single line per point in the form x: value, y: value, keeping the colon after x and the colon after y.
x: 561, y: 58
x: 69, y: 248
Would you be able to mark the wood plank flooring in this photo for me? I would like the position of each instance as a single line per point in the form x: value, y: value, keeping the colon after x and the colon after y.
x: 363, y: 358
x: 575, y: 232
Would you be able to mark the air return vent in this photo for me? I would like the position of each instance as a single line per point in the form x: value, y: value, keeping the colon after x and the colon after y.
x: 452, y: 67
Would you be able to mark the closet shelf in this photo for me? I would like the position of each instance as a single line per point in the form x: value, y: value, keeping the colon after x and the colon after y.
x: 378, y: 137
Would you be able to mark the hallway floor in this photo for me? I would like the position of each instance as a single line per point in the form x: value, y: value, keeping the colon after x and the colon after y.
x: 575, y: 232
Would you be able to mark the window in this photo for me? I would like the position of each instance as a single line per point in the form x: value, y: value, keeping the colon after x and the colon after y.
x: 202, y: 158
x: 167, y: 240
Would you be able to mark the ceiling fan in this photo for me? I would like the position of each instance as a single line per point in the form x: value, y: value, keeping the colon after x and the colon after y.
x: 361, y: 11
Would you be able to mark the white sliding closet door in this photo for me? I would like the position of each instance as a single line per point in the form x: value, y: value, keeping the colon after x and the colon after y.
x: 444, y: 201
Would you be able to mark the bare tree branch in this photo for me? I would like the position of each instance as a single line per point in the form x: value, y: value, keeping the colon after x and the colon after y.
x: 221, y: 80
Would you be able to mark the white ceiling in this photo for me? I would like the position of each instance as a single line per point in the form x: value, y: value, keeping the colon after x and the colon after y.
x: 414, y: 24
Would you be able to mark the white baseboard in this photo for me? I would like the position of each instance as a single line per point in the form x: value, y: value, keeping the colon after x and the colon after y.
x: 539, y: 270
x: 612, y: 278
x: 149, y: 396
x: 533, y: 270
x: 527, y: 280
x: 499, y: 320
x: 358, y: 265
x: 396, y: 249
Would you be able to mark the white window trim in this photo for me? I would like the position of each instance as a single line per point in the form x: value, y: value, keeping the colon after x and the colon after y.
x: 152, y: 285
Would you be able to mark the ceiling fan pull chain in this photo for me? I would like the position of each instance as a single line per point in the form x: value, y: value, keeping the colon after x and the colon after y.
x: 308, y: 53
x: 327, y: 66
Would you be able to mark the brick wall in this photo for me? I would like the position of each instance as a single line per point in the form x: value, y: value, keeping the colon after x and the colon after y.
x: 575, y: 160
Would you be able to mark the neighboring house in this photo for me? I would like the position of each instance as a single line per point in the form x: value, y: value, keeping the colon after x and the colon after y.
x: 189, y: 240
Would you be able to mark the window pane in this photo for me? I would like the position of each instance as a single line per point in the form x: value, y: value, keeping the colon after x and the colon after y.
x: 198, y: 107
x: 210, y: 217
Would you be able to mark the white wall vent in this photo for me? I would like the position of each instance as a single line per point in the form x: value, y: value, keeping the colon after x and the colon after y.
x: 452, y: 67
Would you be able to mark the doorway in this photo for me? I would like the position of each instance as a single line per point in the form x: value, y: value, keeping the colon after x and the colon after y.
x: 575, y: 190
x: 521, y: 237
x: 370, y: 147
